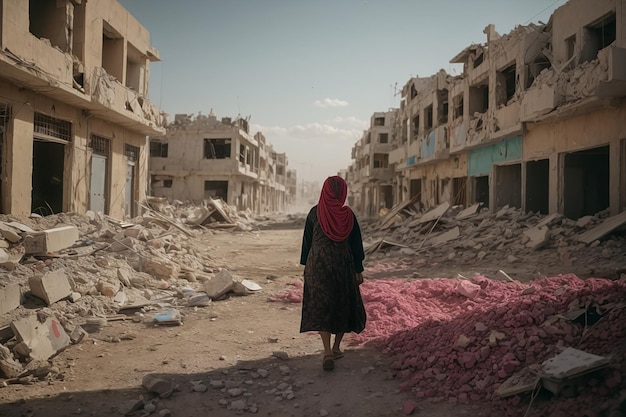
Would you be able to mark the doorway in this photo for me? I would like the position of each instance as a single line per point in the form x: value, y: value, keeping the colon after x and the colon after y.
x: 586, y: 182
x: 538, y: 186
x: 98, y: 191
x: 508, y: 191
x: 481, y: 190
x: 47, y: 181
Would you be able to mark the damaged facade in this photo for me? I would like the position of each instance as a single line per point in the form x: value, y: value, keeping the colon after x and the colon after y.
x: 73, y: 109
x: 202, y: 157
x: 533, y: 122
x: 370, y: 175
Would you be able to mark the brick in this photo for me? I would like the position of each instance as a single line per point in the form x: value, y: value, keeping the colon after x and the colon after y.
x: 51, y: 240
x: 10, y: 297
x: 50, y: 287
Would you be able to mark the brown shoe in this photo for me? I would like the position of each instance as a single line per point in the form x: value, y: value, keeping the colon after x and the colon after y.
x: 328, y: 363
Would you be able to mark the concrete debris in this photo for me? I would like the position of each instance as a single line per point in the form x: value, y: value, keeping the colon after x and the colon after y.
x: 43, y: 339
x: 51, y: 240
x: 456, y: 234
x: 87, y: 269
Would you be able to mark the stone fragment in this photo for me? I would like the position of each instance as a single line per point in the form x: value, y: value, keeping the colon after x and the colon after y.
x: 51, y: 240
x: 50, y: 287
x: 537, y: 237
x: 10, y: 297
x: 157, y: 385
x: 161, y: 268
x: 44, y: 339
x: 107, y: 288
x: 219, y: 285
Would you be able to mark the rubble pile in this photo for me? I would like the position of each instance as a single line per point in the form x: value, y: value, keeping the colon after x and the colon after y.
x: 67, y: 274
x: 460, y: 340
x: 506, y: 237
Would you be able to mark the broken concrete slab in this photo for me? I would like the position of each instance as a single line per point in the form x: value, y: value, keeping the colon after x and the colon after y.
x: 549, y: 220
x: 445, y: 236
x: 431, y: 215
x: 10, y: 297
x: 537, y: 237
x: 603, y: 229
x: 9, y: 367
x: 9, y: 233
x: 43, y: 339
x: 51, y: 240
x: 468, y: 212
x: 219, y: 285
x: 569, y: 364
x: 50, y: 287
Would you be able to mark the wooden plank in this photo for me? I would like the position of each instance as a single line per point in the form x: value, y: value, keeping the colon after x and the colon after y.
x: 603, y: 229
x: 396, y: 210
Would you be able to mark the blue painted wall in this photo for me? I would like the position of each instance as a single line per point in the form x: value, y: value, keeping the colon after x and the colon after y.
x: 428, y: 145
x: 480, y: 160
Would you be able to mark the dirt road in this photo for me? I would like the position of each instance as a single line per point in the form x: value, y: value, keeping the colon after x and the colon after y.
x: 242, y: 355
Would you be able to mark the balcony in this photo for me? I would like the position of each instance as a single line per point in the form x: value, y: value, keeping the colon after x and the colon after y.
x: 397, y: 155
x: 381, y: 174
x: 130, y: 109
x: 458, y: 136
x: 507, y: 121
x: 247, y: 170
x: 615, y: 85
x: 434, y: 146
x: 538, y: 101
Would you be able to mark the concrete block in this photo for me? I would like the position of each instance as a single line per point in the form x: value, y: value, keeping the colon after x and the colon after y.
x: 219, y: 285
x: 10, y: 297
x: 537, y: 237
x: 51, y: 240
x: 50, y: 287
x: 43, y: 339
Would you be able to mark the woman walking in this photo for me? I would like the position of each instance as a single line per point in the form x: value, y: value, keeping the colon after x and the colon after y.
x: 332, y: 253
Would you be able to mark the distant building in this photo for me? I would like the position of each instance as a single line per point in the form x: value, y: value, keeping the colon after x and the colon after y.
x: 201, y: 156
x: 74, y: 113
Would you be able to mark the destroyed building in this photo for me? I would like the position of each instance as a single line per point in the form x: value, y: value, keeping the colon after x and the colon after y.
x: 533, y: 122
x: 74, y: 113
x: 201, y: 156
x: 370, y: 175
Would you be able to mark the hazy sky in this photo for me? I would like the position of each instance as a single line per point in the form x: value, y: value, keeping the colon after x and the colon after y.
x: 311, y: 73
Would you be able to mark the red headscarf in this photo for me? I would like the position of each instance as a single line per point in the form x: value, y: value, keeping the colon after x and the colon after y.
x: 335, y: 219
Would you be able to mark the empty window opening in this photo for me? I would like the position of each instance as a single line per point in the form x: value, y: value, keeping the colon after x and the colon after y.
x: 242, y: 154
x: 216, y: 189
x: 383, y: 138
x: 599, y: 36
x: 48, y: 20
x: 379, y: 121
x: 415, y: 126
x: 481, y: 190
x: 479, y: 59
x: 442, y: 106
x: 168, y: 183
x: 457, y: 101
x: 508, y: 190
x: 413, y: 91
x: 570, y: 47
x: 158, y: 149
x: 5, y: 116
x: 47, y: 179
x: 478, y: 99
x: 112, y: 51
x: 586, y: 182
x: 386, y: 192
x: 381, y: 160
x: 428, y: 117
x: 538, y: 186
x: 507, y: 84
x: 217, y: 148
x: 405, y: 130
x: 535, y: 68
x: 51, y: 128
x: 135, y: 69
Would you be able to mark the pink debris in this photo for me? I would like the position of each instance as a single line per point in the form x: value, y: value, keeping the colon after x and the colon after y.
x: 419, y: 323
x: 289, y: 296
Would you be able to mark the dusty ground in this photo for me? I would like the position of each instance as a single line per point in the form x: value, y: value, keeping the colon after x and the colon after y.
x: 238, y: 343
